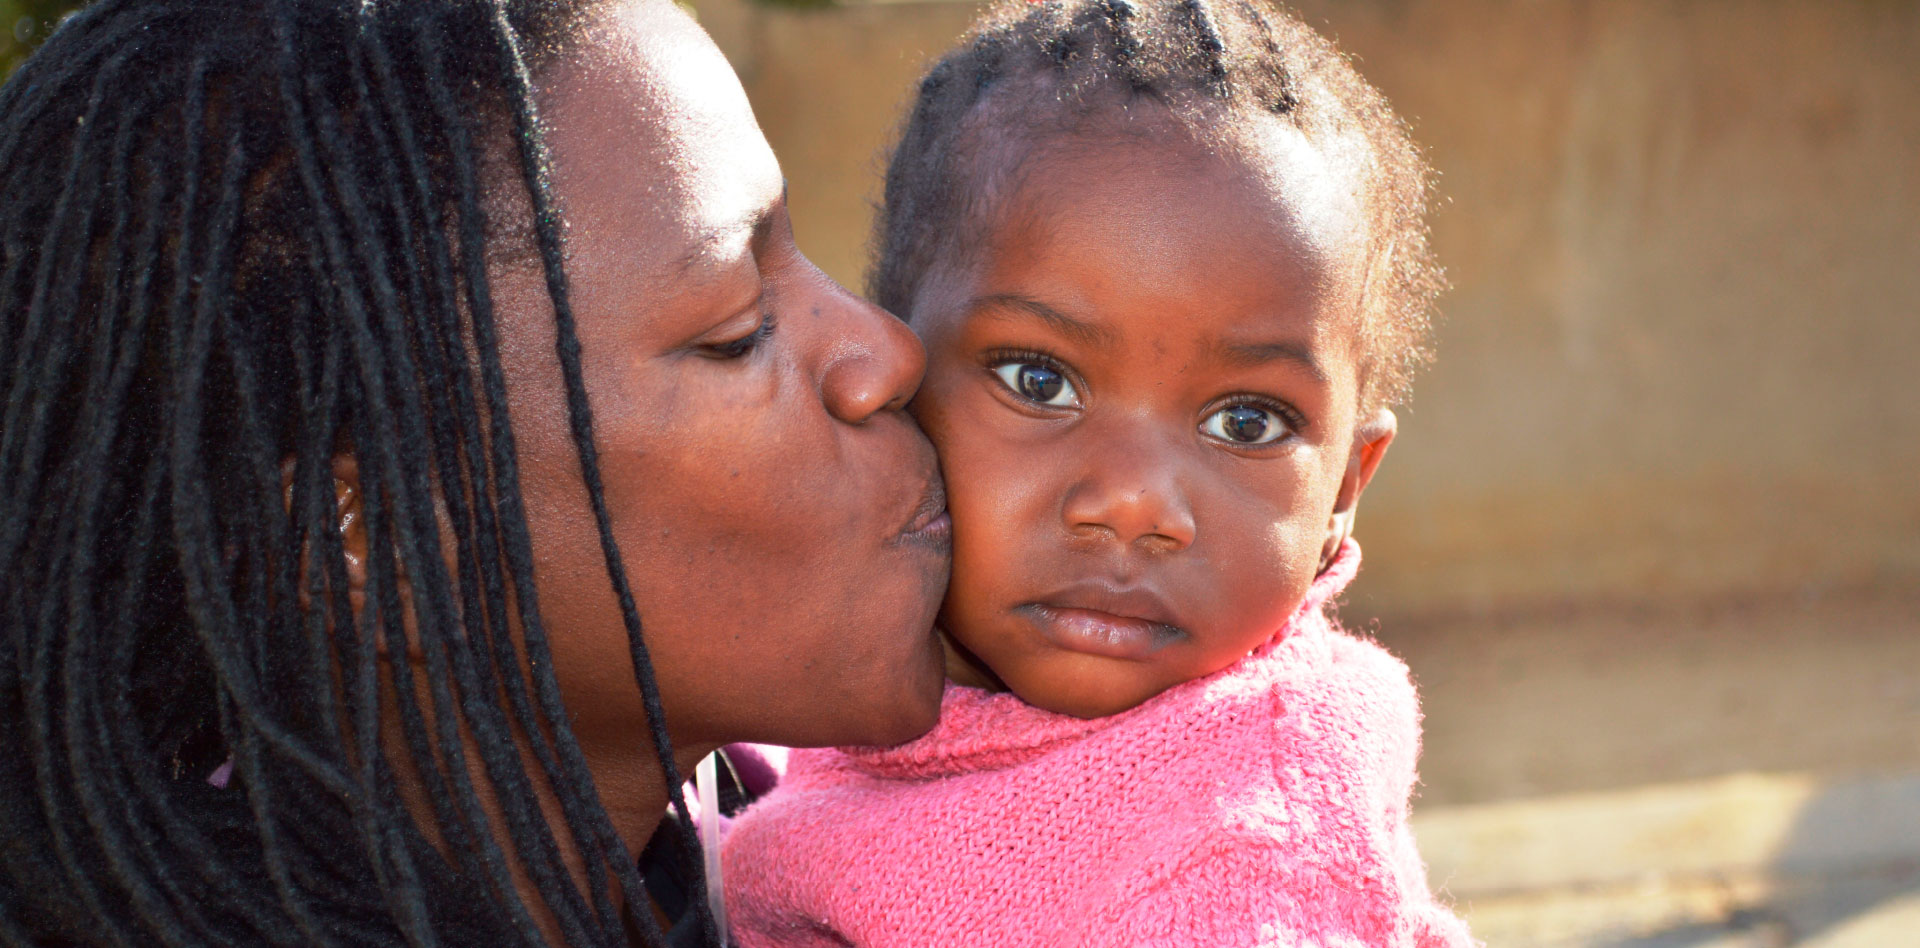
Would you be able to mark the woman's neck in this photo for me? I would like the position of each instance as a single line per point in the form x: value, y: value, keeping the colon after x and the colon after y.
x: 627, y: 778
x: 633, y: 787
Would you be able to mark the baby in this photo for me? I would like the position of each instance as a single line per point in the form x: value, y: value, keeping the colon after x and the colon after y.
x: 1170, y: 266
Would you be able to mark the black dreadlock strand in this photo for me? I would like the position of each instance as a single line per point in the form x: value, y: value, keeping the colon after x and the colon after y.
x: 220, y: 270
x: 534, y: 164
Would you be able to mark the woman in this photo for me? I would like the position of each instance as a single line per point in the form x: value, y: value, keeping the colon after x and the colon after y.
x: 349, y: 351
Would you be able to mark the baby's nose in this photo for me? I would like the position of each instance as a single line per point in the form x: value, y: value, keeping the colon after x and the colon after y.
x: 1135, y: 498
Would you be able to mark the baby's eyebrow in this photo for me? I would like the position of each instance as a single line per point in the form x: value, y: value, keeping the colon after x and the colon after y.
x: 1003, y: 304
x: 1260, y: 353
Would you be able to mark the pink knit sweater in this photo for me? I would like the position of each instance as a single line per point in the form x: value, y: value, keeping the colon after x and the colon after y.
x: 1264, y: 805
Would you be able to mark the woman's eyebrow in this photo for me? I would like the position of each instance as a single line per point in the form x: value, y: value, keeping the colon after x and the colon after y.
x: 758, y: 224
x: 1003, y: 305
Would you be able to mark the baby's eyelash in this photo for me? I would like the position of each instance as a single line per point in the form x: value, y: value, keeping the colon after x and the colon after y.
x: 1289, y: 414
x: 1004, y: 356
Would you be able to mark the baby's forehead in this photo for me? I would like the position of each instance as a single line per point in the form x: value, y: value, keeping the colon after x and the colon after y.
x: 1160, y: 187
x: 1317, y: 184
x: 1311, y: 187
x: 1195, y: 254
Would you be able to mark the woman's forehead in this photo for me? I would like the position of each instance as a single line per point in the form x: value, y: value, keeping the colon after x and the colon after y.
x: 654, y: 144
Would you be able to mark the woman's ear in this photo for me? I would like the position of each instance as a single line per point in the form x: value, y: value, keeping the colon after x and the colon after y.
x: 1370, y: 440
x: 349, y: 517
x: 349, y: 512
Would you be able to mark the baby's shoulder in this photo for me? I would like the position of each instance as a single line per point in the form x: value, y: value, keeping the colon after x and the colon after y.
x: 1346, y: 714
x: 1312, y: 803
x: 1355, y: 676
x: 813, y: 763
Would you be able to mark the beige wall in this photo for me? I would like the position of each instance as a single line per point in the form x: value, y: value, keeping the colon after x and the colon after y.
x: 1681, y: 354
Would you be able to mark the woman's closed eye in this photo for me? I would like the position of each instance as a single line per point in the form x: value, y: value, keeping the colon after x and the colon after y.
x: 1038, y: 382
x: 1247, y: 424
x: 741, y: 346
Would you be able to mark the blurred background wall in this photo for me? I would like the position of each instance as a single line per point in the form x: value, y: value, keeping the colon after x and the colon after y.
x: 1679, y: 355
x: 1650, y: 536
x: 24, y: 24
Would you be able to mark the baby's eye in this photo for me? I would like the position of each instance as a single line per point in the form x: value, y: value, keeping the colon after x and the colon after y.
x: 1245, y: 424
x: 1038, y: 383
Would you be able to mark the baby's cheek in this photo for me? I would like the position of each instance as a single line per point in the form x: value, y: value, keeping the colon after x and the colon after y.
x: 977, y: 564
x: 1291, y: 545
x: 983, y: 551
x: 997, y: 496
x: 1262, y: 575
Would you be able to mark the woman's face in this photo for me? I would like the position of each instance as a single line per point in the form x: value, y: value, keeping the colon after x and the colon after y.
x: 781, y: 518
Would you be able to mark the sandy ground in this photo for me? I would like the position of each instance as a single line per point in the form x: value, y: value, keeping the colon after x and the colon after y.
x: 1733, y: 774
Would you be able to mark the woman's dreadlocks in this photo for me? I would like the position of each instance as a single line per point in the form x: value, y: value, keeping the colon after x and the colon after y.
x: 241, y: 238
x: 1031, y: 72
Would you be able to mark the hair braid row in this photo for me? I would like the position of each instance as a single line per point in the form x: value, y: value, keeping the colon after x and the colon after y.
x: 1076, y: 67
x: 1212, y: 49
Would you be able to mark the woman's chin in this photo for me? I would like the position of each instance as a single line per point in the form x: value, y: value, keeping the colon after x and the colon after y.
x: 913, y: 707
x: 917, y: 708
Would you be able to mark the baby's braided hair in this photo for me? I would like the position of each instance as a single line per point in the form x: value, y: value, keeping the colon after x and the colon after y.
x: 1030, y: 72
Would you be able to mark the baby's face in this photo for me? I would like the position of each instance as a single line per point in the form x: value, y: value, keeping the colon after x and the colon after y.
x: 1144, y: 399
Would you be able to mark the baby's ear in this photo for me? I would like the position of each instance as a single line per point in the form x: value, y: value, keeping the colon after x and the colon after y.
x: 1370, y: 440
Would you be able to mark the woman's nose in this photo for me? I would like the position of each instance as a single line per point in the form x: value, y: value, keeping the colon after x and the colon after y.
x: 874, y: 362
x: 1131, y: 496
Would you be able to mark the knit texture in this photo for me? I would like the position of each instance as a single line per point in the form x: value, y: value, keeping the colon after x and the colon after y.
x: 1264, y: 805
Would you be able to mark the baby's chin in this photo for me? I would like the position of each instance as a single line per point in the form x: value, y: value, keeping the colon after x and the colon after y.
x: 1080, y: 686
x: 1083, y: 702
